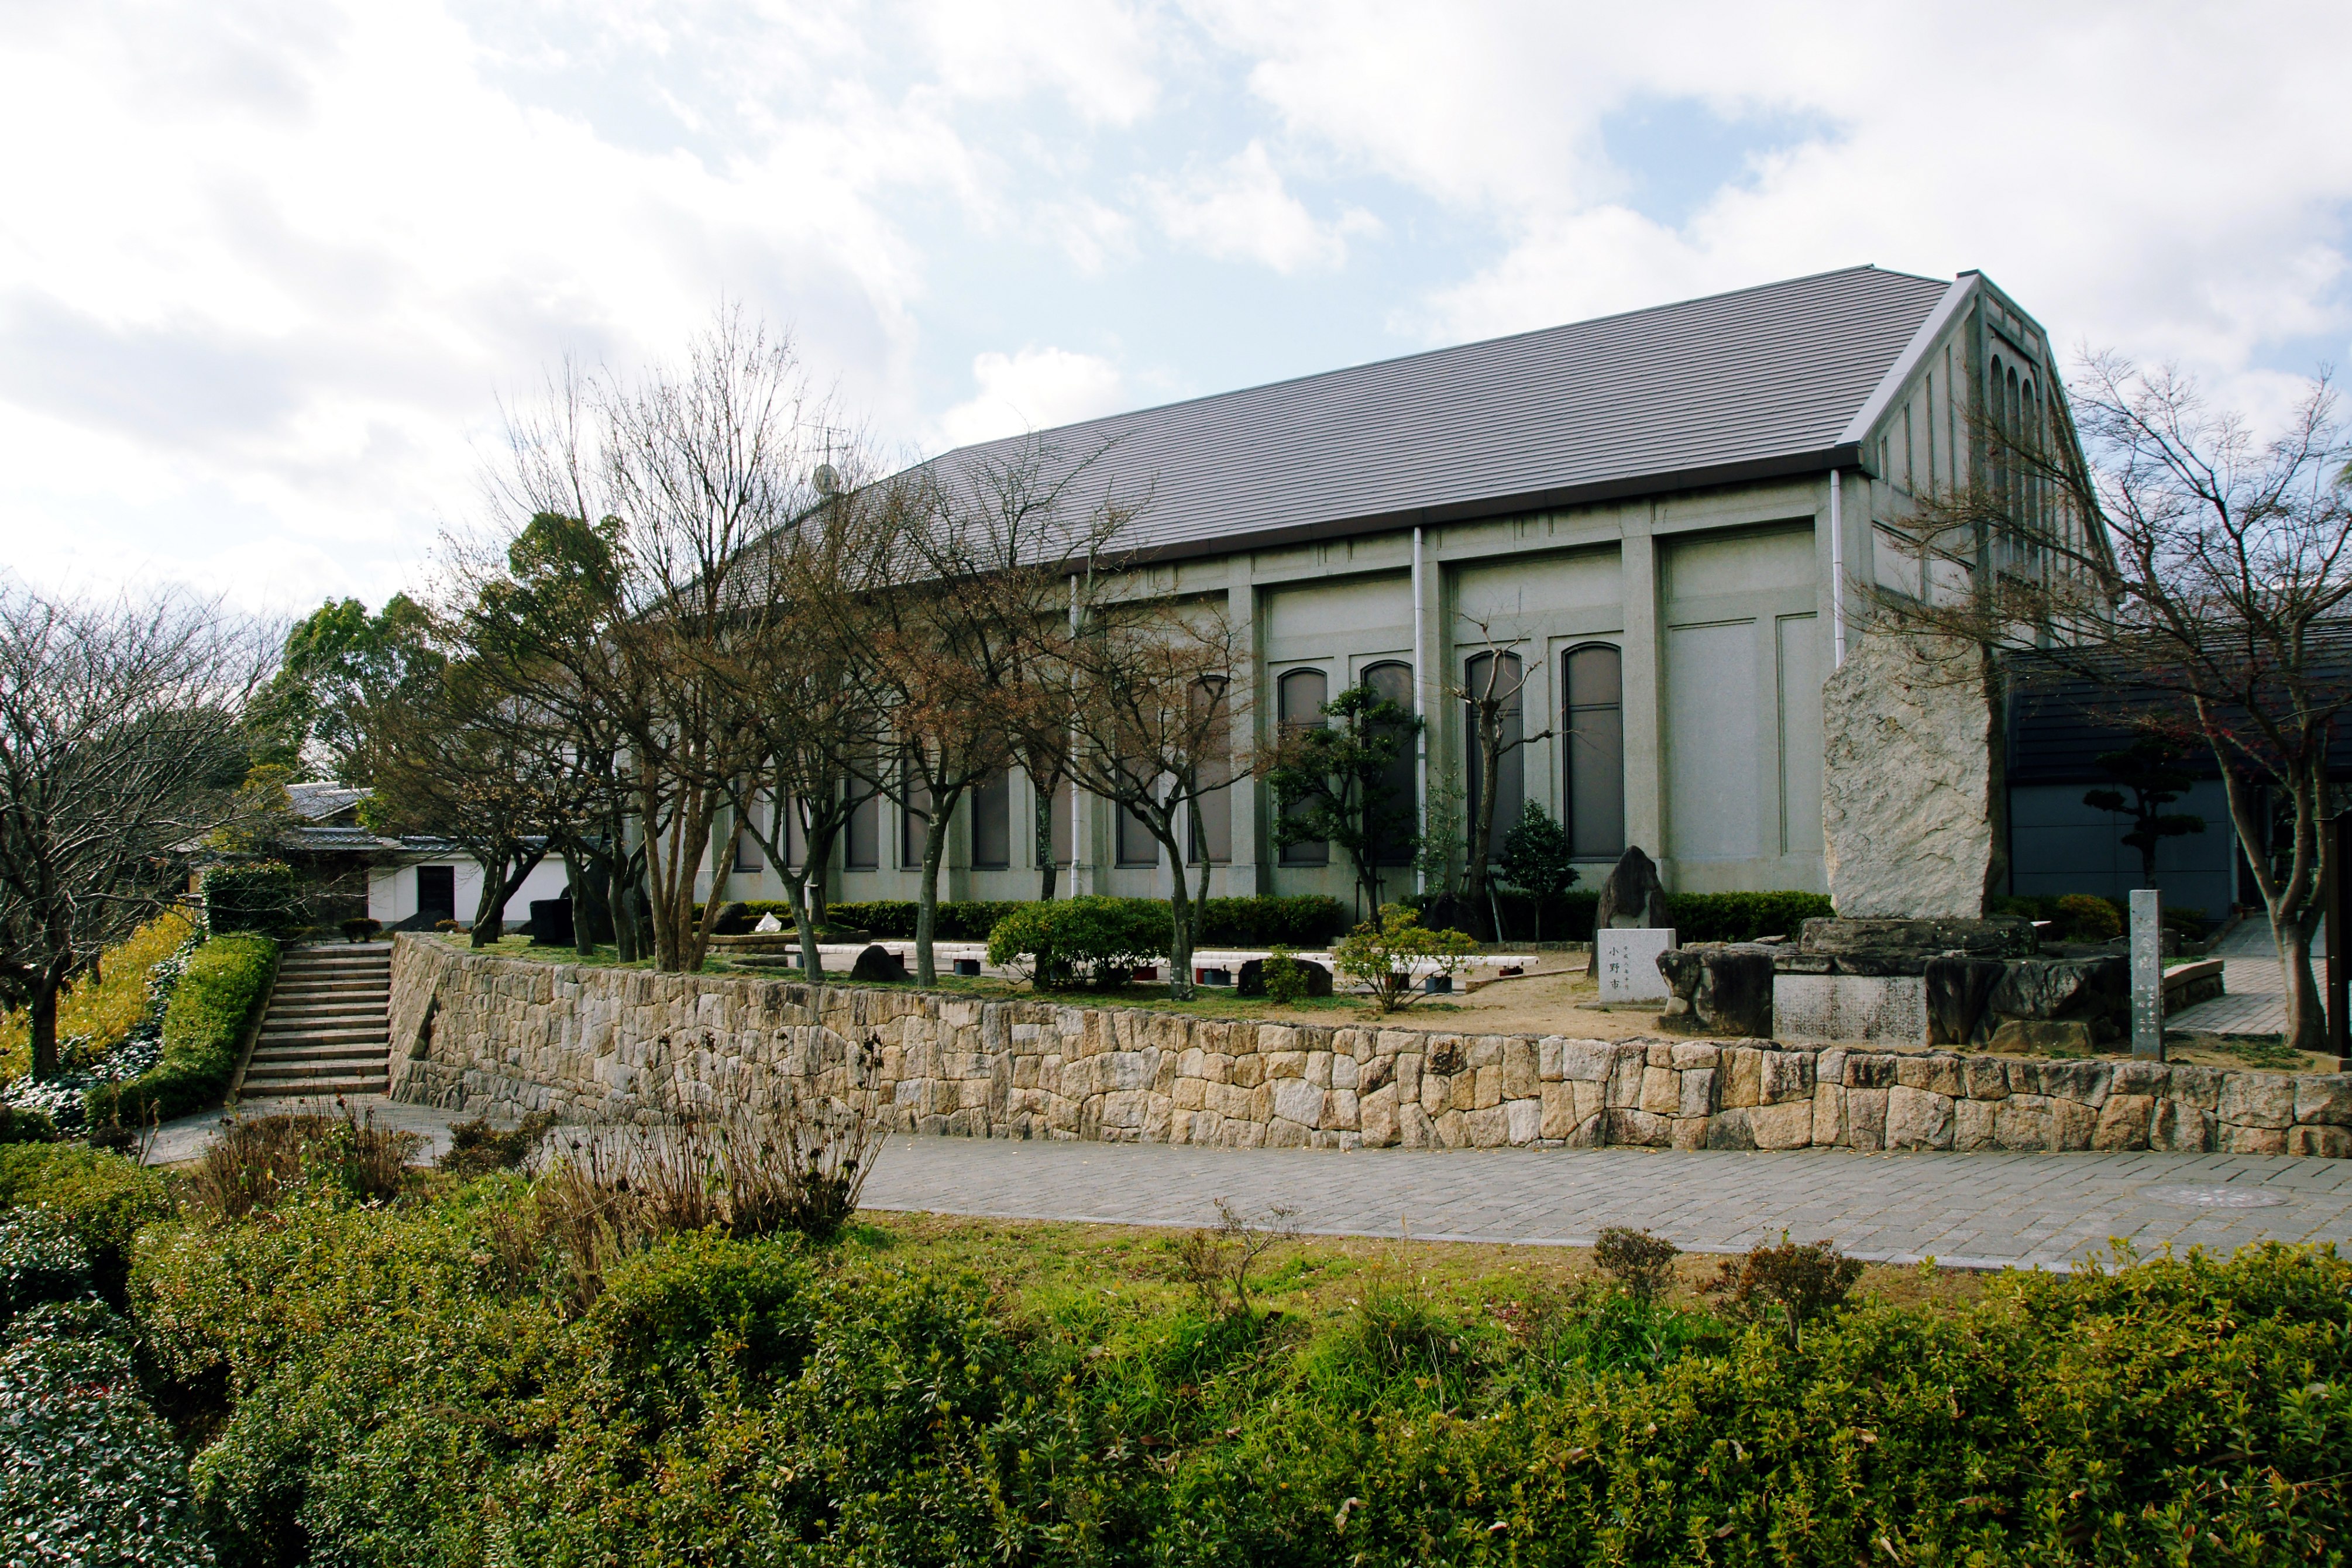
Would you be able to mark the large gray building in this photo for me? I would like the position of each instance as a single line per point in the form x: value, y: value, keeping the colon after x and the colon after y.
x: 1659, y: 512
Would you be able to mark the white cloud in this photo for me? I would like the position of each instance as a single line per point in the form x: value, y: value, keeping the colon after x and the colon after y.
x: 1033, y: 389
x: 1239, y: 211
x: 1098, y: 56
x: 2160, y: 179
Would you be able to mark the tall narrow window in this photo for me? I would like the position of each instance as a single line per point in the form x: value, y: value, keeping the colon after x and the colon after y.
x: 991, y: 822
x: 1399, y: 813
x: 861, y: 836
x: 1594, y: 724
x: 1210, y: 832
x: 1135, y: 844
x: 796, y: 831
x: 747, y: 840
x: 1490, y: 676
x: 914, y: 818
x: 1065, y: 795
x: 1299, y: 699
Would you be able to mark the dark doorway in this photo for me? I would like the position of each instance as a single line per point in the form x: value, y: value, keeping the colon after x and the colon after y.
x: 436, y: 894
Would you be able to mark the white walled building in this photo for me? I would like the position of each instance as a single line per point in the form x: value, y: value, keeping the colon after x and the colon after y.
x: 1659, y: 512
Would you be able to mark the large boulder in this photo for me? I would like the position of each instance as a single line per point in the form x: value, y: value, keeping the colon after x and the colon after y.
x: 1959, y: 989
x: 877, y: 965
x: 1908, y: 784
x: 1722, y: 988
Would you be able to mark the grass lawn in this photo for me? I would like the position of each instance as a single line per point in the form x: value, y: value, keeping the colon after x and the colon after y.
x: 1036, y: 1266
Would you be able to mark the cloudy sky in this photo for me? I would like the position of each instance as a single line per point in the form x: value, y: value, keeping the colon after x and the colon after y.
x: 268, y: 266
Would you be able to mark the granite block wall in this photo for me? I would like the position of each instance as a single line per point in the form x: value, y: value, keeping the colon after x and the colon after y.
x: 506, y: 1036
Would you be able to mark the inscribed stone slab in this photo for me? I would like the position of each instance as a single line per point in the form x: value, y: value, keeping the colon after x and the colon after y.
x: 1629, y: 962
x: 1890, y: 1009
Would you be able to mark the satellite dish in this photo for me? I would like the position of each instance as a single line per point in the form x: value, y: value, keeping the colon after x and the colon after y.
x: 827, y: 479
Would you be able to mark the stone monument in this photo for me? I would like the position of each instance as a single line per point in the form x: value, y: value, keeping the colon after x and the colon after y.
x: 1634, y: 898
x: 1909, y: 776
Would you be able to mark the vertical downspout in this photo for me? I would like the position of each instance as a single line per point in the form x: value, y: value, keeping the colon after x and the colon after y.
x: 1837, y: 571
x: 1420, y: 730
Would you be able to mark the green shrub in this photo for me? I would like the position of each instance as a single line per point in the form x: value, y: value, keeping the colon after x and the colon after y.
x: 103, y: 1198
x: 21, y: 1126
x: 266, y: 898
x: 1097, y: 939
x: 2086, y: 917
x: 41, y: 1259
x: 1307, y: 921
x: 226, y: 981
x: 1287, y: 984
x: 1303, y: 921
x: 92, y: 1474
x: 1386, y: 955
x: 1697, y: 917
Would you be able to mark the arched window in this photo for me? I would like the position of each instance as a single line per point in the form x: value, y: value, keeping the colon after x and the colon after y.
x: 1390, y: 681
x: 1300, y: 697
x: 1593, y: 720
x: 1495, y: 677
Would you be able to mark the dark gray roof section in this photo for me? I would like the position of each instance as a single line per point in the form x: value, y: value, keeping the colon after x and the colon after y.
x: 1747, y: 385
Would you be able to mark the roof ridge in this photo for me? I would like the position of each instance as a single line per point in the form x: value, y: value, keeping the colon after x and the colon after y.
x: 1442, y: 348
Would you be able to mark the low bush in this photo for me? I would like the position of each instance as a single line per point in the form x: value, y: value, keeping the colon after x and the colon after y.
x: 92, y: 1474
x: 266, y: 898
x: 476, y: 1148
x: 256, y: 1159
x: 21, y: 1126
x: 225, y: 983
x: 386, y: 1388
x: 1392, y: 955
x: 41, y: 1259
x: 361, y: 928
x: 102, y: 1198
x: 1090, y: 939
x: 2072, y: 917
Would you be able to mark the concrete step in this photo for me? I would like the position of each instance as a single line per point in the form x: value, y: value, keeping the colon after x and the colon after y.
x: 374, y: 1033
x: 292, y: 972
x: 322, y: 1011
x: 313, y: 1088
x: 316, y: 1067
x: 311, y: 1055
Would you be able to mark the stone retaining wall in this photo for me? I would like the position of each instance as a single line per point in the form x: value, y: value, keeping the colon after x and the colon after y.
x: 507, y: 1036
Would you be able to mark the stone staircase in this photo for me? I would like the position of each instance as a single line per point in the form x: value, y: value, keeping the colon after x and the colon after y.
x: 326, y: 1032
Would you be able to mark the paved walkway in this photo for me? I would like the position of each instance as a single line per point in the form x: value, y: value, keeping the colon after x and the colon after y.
x: 2254, y: 1000
x: 1970, y: 1210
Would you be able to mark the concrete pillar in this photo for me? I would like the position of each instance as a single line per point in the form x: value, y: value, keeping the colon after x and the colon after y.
x: 1644, y: 695
x: 1250, y: 873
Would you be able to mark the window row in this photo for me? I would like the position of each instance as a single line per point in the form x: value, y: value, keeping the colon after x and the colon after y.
x: 1592, y: 727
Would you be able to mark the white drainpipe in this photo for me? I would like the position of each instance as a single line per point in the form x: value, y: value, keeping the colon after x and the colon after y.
x: 1421, y: 733
x: 1837, y: 570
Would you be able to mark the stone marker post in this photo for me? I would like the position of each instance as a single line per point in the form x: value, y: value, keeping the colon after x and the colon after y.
x: 2148, y: 974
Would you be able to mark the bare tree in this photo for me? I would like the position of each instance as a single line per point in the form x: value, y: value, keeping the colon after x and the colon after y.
x: 661, y: 485
x: 466, y: 761
x: 1155, y: 709
x: 121, y: 748
x: 1492, y: 681
x: 2155, y: 548
x: 980, y: 560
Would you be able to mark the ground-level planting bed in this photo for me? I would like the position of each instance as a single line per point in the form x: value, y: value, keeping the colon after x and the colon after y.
x: 449, y: 1377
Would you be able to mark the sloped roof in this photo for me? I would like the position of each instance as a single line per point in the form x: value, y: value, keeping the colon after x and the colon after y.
x: 1751, y: 384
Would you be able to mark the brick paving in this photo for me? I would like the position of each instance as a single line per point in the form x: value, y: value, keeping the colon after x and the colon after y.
x: 1976, y: 1210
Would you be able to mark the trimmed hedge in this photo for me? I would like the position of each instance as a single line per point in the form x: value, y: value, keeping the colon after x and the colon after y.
x: 1307, y: 921
x: 1697, y: 917
x: 266, y: 898
x: 226, y: 980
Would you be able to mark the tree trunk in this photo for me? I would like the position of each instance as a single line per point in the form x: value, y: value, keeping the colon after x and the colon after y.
x: 1482, y: 830
x: 2306, y: 1014
x: 1180, y: 917
x: 1045, y: 867
x: 45, y: 1030
x: 812, y: 962
x: 926, y: 896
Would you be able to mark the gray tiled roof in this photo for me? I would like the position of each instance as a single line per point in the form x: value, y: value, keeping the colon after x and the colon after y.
x: 1735, y: 387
